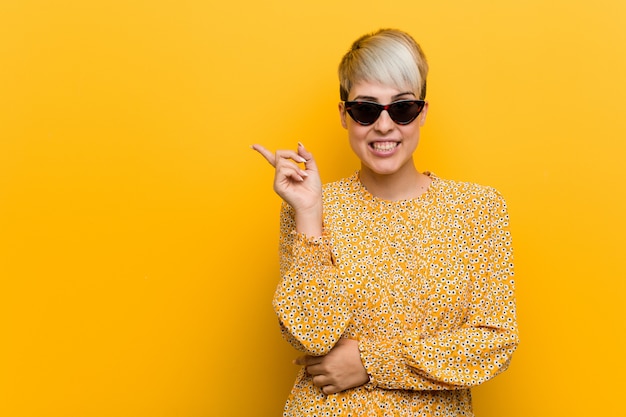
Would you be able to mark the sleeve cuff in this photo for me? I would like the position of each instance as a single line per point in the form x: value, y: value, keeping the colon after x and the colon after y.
x: 381, y: 361
x: 316, y: 249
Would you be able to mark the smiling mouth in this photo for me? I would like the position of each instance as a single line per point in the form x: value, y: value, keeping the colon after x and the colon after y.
x: 384, y: 146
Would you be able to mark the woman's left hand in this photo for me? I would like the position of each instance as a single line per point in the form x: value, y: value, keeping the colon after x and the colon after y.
x: 338, y: 370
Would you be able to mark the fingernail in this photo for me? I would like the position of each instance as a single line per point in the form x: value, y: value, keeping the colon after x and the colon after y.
x: 300, y: 144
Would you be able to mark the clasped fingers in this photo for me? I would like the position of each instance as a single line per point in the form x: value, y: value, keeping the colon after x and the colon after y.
x: 300, y: 188
x: 338, y: 370
x: 285, y: 162
x: 321, y: 376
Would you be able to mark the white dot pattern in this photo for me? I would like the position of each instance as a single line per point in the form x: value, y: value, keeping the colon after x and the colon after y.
x: 425, y: 285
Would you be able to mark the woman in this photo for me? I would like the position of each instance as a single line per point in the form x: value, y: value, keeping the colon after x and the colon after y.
x: 396, y: 284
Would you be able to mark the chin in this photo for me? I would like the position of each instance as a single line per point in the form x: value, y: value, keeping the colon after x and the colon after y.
x: 382, y: 170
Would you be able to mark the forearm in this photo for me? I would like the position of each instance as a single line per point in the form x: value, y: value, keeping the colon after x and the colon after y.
x: 309, y: 221
x: 454, y: 360
x: 311, y: 302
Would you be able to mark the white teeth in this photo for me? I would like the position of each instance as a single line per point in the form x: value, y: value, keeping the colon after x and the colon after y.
x: 384, y: 146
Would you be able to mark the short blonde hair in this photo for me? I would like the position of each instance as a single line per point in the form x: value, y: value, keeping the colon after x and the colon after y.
x: 388, y: 56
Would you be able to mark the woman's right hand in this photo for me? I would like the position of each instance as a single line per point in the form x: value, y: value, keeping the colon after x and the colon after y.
x: 300, y: 188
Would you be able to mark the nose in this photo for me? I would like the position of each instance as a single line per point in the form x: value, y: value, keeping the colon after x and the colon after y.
x: 384, y: 123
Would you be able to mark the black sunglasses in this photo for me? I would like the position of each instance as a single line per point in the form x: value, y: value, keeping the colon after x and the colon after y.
x: 402, y: 112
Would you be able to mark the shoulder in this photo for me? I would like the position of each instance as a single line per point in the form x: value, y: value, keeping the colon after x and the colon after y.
x: 469, y: 199
x: 463, y: 191
x: 341, y: 189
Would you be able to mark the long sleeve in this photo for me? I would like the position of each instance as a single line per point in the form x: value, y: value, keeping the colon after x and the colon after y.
x: 425, y: 285
x: 312, y: 305
x: 482, y: 345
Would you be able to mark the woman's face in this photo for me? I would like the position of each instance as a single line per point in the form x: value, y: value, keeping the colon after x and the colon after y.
x: 384, y: 147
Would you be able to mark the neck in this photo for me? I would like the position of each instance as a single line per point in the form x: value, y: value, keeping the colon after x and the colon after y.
x: 405, y: 184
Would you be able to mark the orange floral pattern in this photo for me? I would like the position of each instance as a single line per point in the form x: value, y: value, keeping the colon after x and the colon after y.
x: 425, y: 285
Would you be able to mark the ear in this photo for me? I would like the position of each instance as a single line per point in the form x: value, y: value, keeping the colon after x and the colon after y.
x: 342, y: 114
x: 422, y: 116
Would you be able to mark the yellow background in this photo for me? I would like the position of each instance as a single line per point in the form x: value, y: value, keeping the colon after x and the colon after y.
x: 138, y: 231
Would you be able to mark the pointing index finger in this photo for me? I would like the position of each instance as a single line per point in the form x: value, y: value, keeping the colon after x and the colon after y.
x: 269, y: 156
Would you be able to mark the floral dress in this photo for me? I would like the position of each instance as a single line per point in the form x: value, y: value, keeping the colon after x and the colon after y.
x: 425, y: 285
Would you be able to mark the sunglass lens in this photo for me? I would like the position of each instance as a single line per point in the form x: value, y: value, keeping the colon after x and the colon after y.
x: 365, y: 113
x: 404, y: 112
